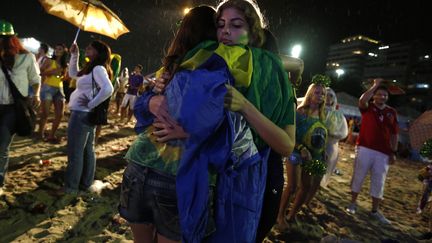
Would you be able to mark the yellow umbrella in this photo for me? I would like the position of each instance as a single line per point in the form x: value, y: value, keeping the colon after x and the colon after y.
x: 87, y: 15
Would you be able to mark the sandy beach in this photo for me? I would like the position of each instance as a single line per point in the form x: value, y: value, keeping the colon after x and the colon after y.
x: 30, y: 211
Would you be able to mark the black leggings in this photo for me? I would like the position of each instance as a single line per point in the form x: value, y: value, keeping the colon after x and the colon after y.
x: 272, y: 195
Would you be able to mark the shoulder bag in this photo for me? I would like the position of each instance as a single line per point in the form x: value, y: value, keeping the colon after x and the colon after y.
x: 99, y: 114
x: 25, y: 115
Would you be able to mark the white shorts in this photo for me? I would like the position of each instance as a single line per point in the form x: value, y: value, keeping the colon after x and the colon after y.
x: 375, y: 162
x: 129, y: 99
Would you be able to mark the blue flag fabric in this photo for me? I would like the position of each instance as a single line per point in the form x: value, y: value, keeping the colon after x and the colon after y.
x: 195, y: 99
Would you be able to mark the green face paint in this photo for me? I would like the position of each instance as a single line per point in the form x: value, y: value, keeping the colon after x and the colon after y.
x: 243, y: 38
x: 232, y: 28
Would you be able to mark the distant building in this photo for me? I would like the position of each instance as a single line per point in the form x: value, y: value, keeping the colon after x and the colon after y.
x: 408, y: 64
x: 348, y: 57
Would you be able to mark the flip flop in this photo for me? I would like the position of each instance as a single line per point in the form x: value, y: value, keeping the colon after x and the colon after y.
x: 53, y: 140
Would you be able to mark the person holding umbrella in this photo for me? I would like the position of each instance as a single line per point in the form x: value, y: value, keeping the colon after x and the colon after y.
x: 81, y: 133
x: 22, y: 70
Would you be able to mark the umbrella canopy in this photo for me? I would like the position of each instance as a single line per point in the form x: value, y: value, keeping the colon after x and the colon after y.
x: 421, y: 130
x: 87, y: 15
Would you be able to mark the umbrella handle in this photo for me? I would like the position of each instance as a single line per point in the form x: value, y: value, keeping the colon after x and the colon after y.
x: 76, y: 36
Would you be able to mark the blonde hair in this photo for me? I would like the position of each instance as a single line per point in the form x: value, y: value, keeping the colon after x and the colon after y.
x: 305, y: 104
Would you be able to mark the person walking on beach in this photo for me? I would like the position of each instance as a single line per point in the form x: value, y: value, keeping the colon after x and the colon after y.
x: 376, y: 147
x: 136, y: 82
x: 121, y: 90
x: 18, y: 67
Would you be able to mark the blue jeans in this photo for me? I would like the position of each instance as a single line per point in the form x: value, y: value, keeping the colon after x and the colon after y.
x: 81, y: 166
x: 51, y: 93
x: 7, y: 131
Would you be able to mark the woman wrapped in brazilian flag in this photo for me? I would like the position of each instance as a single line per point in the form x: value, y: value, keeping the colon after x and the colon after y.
x: 214, y: 140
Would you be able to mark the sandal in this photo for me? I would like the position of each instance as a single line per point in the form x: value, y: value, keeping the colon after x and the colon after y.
x: 53, y: 140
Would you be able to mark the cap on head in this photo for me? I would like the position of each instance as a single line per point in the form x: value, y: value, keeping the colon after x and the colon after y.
x: 6, y: 28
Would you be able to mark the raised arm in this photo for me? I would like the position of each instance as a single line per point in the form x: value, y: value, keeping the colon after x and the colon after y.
x: 73, y: 62
x: 366, y: 96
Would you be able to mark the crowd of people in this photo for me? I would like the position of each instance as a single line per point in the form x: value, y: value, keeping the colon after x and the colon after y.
x: 82, y: 83
x: 219, y: 128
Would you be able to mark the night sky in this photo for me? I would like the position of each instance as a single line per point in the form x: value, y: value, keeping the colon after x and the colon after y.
x: 316, y: 24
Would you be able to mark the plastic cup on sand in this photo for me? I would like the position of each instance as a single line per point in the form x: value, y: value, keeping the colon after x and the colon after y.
x: 44, y: 162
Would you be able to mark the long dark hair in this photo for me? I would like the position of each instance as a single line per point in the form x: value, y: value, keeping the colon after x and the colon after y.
x: 198, y: 25
x: 103, y: 58
x: 9, y: 47
x: 63, y: 58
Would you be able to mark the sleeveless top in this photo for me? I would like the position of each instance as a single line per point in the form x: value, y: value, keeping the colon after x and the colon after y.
x: 312, y: 133
x: 54, y: 80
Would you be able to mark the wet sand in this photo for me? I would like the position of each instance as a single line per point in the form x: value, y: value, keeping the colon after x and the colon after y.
x: 30, y: 210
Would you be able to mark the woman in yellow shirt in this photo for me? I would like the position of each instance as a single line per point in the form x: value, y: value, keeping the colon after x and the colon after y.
x: 52, y: 72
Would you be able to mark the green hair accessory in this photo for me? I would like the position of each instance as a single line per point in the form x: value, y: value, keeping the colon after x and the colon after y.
x: 320, y: 79
x: 315, y: 167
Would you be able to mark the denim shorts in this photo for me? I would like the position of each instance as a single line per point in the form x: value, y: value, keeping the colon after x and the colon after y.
x: 51, y: 93
x: 149, y: 197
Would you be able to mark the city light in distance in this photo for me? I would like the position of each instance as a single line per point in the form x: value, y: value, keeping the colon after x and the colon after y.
x: 340, y: 72
x: 296, y: 50
x: 422, y: 86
